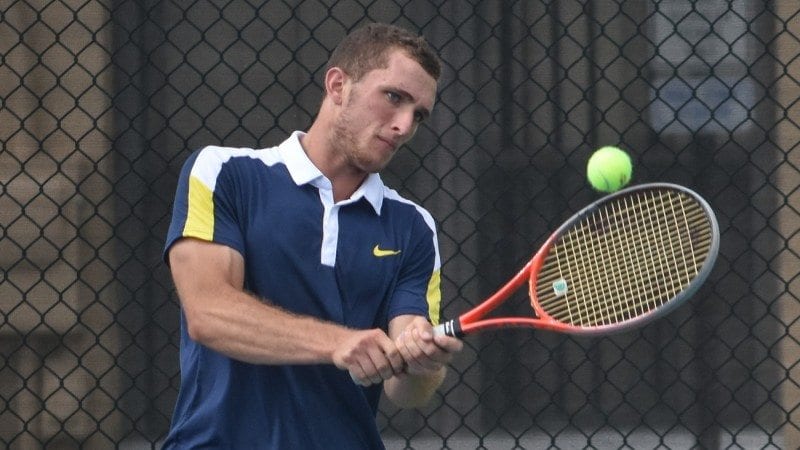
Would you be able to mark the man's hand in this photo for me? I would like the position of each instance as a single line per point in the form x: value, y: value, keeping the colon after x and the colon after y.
x: 423, y: 353
x: 425, y: 357
x: 370, y: 357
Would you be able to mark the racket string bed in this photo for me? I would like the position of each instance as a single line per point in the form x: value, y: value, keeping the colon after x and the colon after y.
x: 625, y: 259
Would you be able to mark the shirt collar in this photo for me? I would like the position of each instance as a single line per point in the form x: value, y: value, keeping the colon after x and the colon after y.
x: 303, y: 171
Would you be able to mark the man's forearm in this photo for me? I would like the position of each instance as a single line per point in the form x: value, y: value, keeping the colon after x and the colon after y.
x: 414, y: 391
x: 247, y: 329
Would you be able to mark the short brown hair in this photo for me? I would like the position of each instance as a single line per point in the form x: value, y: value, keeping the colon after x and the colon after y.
x: 366, y: 49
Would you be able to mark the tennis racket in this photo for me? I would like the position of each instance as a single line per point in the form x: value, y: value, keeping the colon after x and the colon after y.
x: 622, y: 261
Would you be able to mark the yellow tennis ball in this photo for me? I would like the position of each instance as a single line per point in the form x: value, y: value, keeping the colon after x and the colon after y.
x: 609, y: 169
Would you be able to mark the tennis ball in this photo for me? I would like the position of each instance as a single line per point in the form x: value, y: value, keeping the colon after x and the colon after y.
x: 609, y: 169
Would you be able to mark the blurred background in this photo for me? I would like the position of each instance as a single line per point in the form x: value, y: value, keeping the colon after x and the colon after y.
x: 102, y: 101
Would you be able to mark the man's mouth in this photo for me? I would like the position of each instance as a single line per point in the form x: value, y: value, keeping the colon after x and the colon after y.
x: 389, y: 142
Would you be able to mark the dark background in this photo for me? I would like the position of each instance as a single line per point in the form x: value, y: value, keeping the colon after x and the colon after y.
x: 102, y: 101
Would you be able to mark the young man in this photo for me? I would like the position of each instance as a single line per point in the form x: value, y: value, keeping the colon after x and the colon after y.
x: 305, y: 284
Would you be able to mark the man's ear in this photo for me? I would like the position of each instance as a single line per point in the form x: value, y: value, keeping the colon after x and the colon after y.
x: 335, y: 79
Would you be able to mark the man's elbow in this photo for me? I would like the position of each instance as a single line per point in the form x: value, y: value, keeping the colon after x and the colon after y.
x: 198, y: 326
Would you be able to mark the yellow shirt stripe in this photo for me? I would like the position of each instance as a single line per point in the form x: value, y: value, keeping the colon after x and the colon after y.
x: 434, y: 297
x: 200, y: 217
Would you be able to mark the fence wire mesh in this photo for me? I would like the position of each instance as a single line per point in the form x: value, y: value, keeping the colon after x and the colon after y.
x: 103, y: 100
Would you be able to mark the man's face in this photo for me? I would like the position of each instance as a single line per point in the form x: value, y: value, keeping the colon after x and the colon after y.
x: 381, y: 111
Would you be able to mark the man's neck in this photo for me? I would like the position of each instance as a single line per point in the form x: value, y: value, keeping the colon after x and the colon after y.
x: 344, y: 180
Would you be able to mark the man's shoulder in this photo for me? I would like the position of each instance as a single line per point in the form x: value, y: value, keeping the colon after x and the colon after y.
x: 208, y: 162
x: 212, y: 158
x: 393, y: 199
x: 214, y: 155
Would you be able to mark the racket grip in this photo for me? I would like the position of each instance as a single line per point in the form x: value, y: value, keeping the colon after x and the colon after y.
x: 450, y: 328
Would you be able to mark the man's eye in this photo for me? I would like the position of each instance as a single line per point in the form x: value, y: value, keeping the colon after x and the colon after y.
x: 419, y: 117
x: 393, y: 96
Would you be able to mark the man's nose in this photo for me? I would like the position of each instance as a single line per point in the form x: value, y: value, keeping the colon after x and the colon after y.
x: 404, y: 123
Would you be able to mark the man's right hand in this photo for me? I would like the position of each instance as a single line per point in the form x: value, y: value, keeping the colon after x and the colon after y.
x: 370, y: 356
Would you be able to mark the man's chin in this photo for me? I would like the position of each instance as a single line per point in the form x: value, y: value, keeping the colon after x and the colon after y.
x: 375, y: 166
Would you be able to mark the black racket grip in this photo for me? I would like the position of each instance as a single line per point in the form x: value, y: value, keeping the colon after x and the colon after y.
x: 449, y: 328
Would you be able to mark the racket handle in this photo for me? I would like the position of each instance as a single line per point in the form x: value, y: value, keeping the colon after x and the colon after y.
x: 449, y: 328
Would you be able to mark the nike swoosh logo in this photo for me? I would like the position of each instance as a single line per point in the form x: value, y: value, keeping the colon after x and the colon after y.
x: 380, y: 253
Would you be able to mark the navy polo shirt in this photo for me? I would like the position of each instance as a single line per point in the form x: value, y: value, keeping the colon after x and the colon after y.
x: 358, y: 262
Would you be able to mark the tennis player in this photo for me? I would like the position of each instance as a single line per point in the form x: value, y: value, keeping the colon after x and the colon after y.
x: 306, y: 285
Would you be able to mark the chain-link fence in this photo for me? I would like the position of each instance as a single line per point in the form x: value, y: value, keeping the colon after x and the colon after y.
x: 103, y: 100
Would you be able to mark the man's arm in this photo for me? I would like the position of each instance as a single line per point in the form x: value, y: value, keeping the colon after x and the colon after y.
x: 426, y: 361
x: 219, y: 314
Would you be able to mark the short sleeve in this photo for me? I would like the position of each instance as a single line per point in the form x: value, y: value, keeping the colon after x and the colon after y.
x: 205, y: 201
x: 418, y: 290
